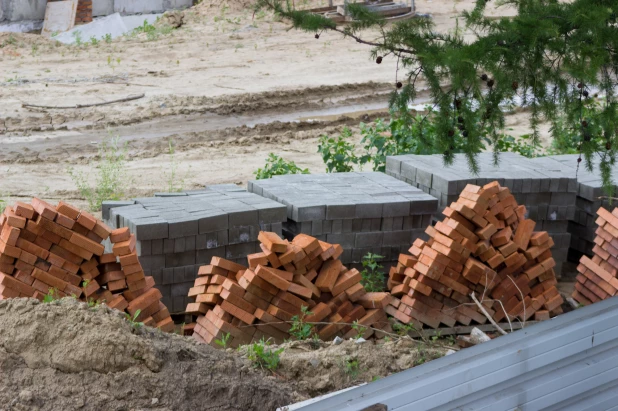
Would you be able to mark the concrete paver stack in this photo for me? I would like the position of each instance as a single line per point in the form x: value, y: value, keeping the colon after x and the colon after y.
x: 178, y: 233
x: 363, y: 212
x: 547, y: 188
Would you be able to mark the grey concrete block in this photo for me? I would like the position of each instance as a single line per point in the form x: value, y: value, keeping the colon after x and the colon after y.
x: 242, y: 218
x: 106, y: 206
x: 168, y: 246
x: 369, y: 210
x: 245, y: 234
x: 167, y: 275
x: 203, y: 257
x: 179, y: 245
x: 371, y: 239
x: 348, y: 226
x: 239, y: 250
x: 397, y: 237
x: 180, y: 259
x: 183, y: 227
x: 151, y: 228
x: 144, y: 248
x: 316, y: 227
x: 309, y: 212
x: 156, y: 247
x: 396, y: 209
x: 346, y: 240
x: 213, y: 222
x: 190, y: 243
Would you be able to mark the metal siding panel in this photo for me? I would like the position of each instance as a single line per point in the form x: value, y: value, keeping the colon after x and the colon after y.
x: 603, y: 397
x: 502, y: 367
x: 533, y: 385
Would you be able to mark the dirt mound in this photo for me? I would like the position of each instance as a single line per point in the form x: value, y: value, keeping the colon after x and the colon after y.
x: 65, y: 355
x: 317, y: 367
x: 208, y: 6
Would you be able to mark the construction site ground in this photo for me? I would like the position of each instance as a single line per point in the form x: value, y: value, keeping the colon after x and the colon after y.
x: 66, y: 355
x: 227, y: 87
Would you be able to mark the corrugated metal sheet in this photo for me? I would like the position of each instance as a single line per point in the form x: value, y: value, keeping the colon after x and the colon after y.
x: 567, y: 363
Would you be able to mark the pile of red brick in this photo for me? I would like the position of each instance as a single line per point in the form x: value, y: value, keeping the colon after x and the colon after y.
x: 58, y: 250
x: 486, y: 246
x: 597, y: 278
x: 259, y: 301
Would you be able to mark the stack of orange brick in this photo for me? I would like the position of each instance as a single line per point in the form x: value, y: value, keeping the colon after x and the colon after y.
x: 259, y: 301
x: 58, y: 250
x: 486, y: 246
x: 597, y: 278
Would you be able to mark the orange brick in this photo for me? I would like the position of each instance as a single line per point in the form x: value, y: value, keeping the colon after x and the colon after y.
x: 120, y: 234
x: 272, y: 242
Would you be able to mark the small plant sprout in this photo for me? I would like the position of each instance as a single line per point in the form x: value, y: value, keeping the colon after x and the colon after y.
x: 262, y: 356
x: 300, y: 329
x: 222, y: 342
x: 52, y: 295
x: 107, y: 38
x: 359, y: 328
x: 351, y: 367
x: 373, y: 279
x: 110, y: 175
x: 133, y: 320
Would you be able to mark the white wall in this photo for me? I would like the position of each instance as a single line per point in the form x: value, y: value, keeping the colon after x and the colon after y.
x: 16, y: 10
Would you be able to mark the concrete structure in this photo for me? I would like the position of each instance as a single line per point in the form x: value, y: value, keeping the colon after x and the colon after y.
x: 589, y: 188
x: 177, y: 233
x: 364, y: 212
x: 547, y: 188
x: 567, y: 363
x: 17, y: 10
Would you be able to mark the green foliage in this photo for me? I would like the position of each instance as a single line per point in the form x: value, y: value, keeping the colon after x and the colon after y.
x: 552, y: 58
x: 78, y: 38
x: 404, y: 133
x: 338, y: 153
x: 524, y: 145
x: 277, y: 166
x: 351, y: 367
x: 300, y: 329
x: 175, y: 183
x: 373, y: 278
x: 262, y: 356
x: 110, y: 175
x: 94, y: 41
x: 223, y: 341
x: 403, y: 329
x: 2, y: 205
x: 359, y: 328
x: 107, y: 38
x: 52, y: 295
x: 152, y: 31
x: 133, y: 320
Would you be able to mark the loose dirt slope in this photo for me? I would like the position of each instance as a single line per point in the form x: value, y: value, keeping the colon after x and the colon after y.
x: 65, y: 355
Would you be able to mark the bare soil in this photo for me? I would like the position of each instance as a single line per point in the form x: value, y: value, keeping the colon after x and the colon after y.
x: 227, y: 87
x: 317, y: 368
x: 67, y: 356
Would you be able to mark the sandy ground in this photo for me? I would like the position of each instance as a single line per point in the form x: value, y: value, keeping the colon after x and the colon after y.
x: 227, y: 88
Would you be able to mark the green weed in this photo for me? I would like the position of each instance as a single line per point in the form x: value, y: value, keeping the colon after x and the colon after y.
x: 373, y: 279
x: 110, y: 181
x: 262, y: 356
x: 276, y: 166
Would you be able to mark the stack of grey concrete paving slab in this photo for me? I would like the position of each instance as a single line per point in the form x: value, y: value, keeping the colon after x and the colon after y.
x: 546, y: 187
x: 589, y: 190
x: 179, y: 232
x: 364, y: 212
